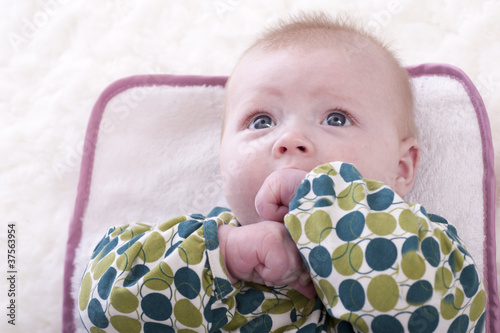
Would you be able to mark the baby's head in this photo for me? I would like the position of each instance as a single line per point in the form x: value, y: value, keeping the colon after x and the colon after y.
x: 310, y: 91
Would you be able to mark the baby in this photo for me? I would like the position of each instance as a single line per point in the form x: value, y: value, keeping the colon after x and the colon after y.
x: 309, y: 244
x: 305, y: 95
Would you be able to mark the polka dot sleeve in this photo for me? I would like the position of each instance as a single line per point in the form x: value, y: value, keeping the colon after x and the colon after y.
x: 144, y: 278
x: 379, y: 263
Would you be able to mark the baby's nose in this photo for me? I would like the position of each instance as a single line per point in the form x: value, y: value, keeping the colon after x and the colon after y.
x: 292, y: 143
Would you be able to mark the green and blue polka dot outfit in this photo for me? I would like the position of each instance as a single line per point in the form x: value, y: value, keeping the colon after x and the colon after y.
x: 378, y: 264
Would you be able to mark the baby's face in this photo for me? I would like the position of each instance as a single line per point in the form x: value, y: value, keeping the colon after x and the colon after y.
x: 292, y: 109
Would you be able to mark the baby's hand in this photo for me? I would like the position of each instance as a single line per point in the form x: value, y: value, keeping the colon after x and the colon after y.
x: 264, y: 253
x: 275, y: 194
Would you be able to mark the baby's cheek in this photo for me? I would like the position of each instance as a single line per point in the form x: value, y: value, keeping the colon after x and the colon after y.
x: 230, y: 170
x: 240, y: 191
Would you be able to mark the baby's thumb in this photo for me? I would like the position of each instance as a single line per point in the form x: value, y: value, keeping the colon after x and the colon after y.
x: 275, y: 194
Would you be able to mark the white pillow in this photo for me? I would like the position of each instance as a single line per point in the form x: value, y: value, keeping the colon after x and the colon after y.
x: 151, y: 152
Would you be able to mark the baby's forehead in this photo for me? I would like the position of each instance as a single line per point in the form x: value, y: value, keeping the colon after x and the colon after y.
x: 351, y: 47
x: 372, y: 66
x: 348, y: 47
x: 368, y: 62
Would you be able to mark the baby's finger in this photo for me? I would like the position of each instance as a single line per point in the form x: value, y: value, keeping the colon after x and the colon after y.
x: 307, y: 290
x: 304, y: 278
x: 278, y: 189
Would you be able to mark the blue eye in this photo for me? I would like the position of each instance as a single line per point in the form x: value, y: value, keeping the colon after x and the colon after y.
x: 337, y: 119
x: 261, y: 122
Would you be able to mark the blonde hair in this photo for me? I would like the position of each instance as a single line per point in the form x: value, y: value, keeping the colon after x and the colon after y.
x: 310, y: 29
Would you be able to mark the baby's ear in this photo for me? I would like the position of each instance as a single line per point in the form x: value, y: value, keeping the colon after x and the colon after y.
x: 409, y: 155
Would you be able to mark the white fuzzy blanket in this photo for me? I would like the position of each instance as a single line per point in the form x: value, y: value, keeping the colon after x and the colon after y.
x: 58, y: 55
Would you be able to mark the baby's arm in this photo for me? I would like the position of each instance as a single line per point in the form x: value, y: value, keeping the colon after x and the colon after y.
x: 141, y: 275
x: 380, y: 263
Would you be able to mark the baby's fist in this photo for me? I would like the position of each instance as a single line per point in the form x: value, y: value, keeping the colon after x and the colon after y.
x: 264, y: 253
x: 275, y: 194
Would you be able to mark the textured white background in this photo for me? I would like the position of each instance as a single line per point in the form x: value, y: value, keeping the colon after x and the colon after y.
x: 56, y: 56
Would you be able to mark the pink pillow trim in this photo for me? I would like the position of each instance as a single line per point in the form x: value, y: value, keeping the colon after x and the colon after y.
x: 489, y: 182
x: 75, y: 229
